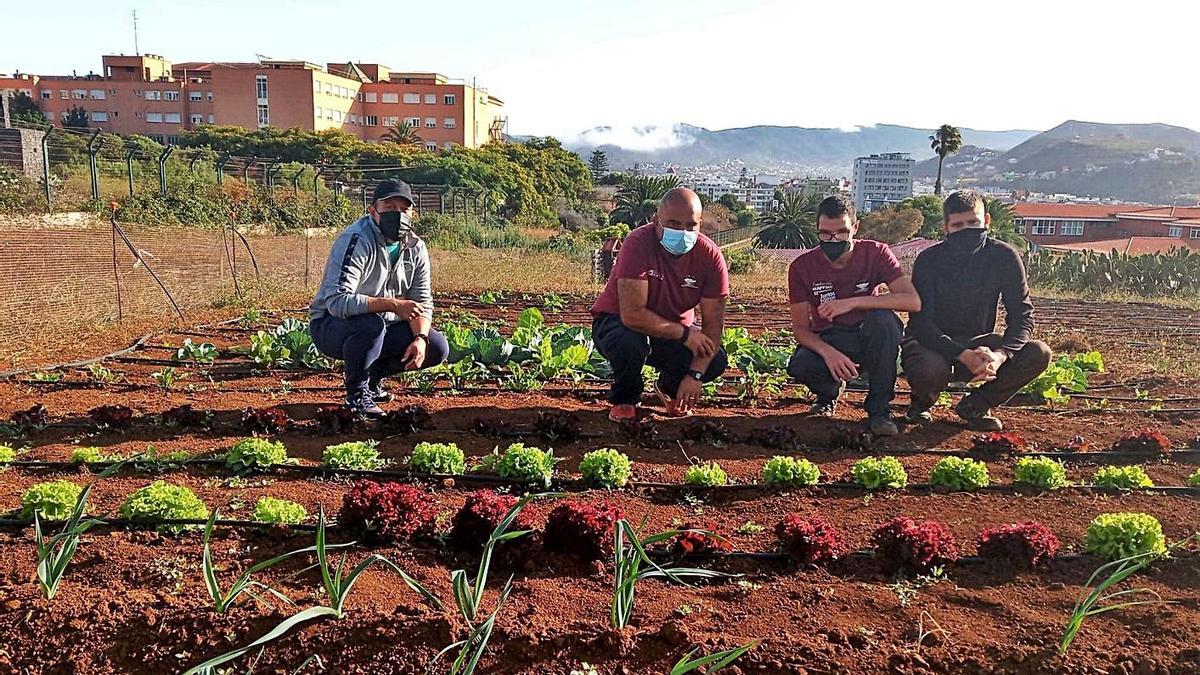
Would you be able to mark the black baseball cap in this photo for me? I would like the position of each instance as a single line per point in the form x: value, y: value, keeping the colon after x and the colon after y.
x: 393, y: 187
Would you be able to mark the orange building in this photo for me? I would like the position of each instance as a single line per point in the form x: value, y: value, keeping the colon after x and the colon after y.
x: 149, y: 95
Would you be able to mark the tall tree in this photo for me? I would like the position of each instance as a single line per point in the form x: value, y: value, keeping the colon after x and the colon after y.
x: 890, y: 224
x: 930, y: 207
x: 790, y: 224
x: 403, y: 133
x: 638, y: 198
x: 77, y: 118
x: 598, y: 164
x: 27, y: 113
x: 945, y: 141
x: 1004, y: 223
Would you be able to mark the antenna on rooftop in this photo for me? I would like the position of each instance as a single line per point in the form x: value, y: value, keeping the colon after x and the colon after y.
x: 136, y: 52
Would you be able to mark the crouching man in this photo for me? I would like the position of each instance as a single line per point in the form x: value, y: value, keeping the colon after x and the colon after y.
x: 375, y: 304
x: 645, y: 314
x: 842, y: 323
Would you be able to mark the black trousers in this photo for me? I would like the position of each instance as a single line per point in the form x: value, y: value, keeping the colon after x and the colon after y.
x: 873, y: 344
x: 627, y: 351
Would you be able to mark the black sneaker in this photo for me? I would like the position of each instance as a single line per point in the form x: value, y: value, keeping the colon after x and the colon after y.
x: 882, y: 426
x: 378, y: 393
x: 918, y: 416
x: 978, y: 420
x: 824, y: 407
x: 364, y: 408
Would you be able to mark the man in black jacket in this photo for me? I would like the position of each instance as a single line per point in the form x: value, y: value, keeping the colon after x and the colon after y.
x: 960, y: 281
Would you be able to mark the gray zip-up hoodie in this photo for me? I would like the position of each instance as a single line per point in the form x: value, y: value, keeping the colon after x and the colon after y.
x: 359, y: 268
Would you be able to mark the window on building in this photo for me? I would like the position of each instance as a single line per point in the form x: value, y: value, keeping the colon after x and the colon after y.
x: 337, y: 116
x: 316, y: 86
x: 449, y: 122
x: 197, y: 119
x: 154, y: 117
x: 413, y: 122
x: 195, y: 96
x: 430, y: 99
x: 79, y: 94
x: 211, y: 118
x: 48, y: 115
x: 1020, y: 227
x: 96, y: 94
x: 64, y: 94
x: 1175, y: 231
x: 46, y: 94
x: 329, y: 113
x: 97, y: 116
x: 171, y: 118
x: 318, y: 112
x: 1043, y: 227
x: 172, y: 140
x: 153, y: 95
x: 158, y: 138
x: 1195, y: 234
x: 430, y: 122
x: 209, y: 96
x: 372, y: 120
x: 390, y: 121
x: 390, y: 98
x: 1071, y: 228
x: 264, y: 117
x: 112, y: 92
x: 170, y: 96
x: 431, y: 145
x: 260, y: 87
x: 412, y: 98
x: 448, y: 99
x: 370, y: 97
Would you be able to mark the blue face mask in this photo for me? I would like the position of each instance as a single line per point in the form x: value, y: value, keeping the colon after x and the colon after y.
x: 678, y: 242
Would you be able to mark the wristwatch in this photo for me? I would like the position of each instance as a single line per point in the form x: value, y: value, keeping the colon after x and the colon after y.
x: 422, y: 336
x: 695, y: 375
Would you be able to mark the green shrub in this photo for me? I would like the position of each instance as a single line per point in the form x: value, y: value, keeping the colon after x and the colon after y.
x: 163, y: 501
x: 780, y: 470
x: 7, y: 454
x: 606, y: 467
x: 1041, y: 472
x: 54, y: 500
x: 255, y: 454
x: 874, y: 473
x: 1194, y: 479
x: 740, y: 261
x: 707, y: 474
x: 526, y: 463
x: 438, y: 458
x: 360, y: 455
x: 1121, y: 535
x: 281, y: 511
x: 1122, y: 477
x: 93, y: 455
x: 959, y: 473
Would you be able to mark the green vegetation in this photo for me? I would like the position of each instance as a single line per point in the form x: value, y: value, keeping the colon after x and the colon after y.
x: 606, y: 467
x: 520, y: 462
x: 875, y: 473
x: 53, y: 500
x: 790, y: 471
x: 1122, y: 477
x: 706, y: 474
x: 1069, y: 373
x: 360, y: 455
x: 255, y: 454
x: 1041, y: 472
x: 958, y: 473
x: 279, y: 511
x: 1121, y: 535
x: 163, y: 501
x: 437, y: 458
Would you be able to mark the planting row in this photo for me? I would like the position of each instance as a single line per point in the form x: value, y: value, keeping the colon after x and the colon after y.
x: 398, y: 513
x: 608, y: 468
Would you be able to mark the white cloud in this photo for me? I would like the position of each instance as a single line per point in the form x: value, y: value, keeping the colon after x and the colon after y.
x: 644, y: 138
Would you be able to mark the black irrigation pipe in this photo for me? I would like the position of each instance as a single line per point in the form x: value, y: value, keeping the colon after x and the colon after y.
x: 21, y: 523
x: 581, y: 485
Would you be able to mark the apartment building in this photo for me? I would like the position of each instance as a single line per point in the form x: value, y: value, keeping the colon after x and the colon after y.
x: 881, y: 179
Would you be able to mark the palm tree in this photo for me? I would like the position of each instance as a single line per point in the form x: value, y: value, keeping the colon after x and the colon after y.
x: 638, y: 198
x: 402, y: 133
x: 1004, y: 223
x: 791, y: 224
x: 945, y: 141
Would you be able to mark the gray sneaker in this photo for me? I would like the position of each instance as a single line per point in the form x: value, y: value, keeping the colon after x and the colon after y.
x: 824, y: 407
x: 363, y: 407
x: 882, y: 426
x: 978, y: 420
x: 378, y: 393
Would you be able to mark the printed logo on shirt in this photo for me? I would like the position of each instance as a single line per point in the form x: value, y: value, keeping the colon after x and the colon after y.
x: 862, y: 287
x: 689, y: 282
x: 823, y: 291
x: 654, y: 273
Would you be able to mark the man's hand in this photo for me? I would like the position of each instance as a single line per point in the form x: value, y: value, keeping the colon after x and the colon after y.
x: 996, y: 358
x: 688, y: 394
x: 699, y: 344
x: 835, y: 308
x: 981, y: 364
x: 407, y: 310
x: 840, y: 365
x: 414, y: 356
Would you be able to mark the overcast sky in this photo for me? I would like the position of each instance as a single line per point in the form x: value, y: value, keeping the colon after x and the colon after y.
x: 563, y: 66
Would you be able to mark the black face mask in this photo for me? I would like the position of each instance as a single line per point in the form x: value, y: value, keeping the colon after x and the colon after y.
x: 395, y: 225
x: 967, y: 240
x: 834, y: 249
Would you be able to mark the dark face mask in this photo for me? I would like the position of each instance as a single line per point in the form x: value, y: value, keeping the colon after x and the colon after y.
x: 834, y: 249
x: 967, y: 239
x: 395, y: 225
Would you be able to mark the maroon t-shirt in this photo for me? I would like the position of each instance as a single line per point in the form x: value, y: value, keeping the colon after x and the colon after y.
x: 813, y: 279
x: 676, y: 282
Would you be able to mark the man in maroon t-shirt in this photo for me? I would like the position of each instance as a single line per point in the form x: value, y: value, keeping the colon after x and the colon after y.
x: 645, y: 314
x: 841, y: 322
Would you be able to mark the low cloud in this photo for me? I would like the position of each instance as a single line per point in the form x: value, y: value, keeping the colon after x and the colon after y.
x: 645, y: 138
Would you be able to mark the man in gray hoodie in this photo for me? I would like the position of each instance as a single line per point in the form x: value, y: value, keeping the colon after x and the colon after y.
x: 374, y: 308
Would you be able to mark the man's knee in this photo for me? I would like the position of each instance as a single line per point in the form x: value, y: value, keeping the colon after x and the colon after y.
x: 882, y: 325
x: 1035, y: 357
x: 623, y: 346
x: 804, y: 363
x: 366, y: 325
x: 925, y: 368
x: 437, y: 350
x: 717, y: 367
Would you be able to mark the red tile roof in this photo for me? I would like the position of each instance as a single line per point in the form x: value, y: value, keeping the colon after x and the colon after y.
x: 1039, y: 210
x: 1130, y: 245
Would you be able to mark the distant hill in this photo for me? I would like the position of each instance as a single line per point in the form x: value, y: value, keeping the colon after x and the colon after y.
x: 1140, y: 162
x: 834, y: 149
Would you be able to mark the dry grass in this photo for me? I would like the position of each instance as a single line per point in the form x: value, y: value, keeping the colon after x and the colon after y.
x: 479, y: 270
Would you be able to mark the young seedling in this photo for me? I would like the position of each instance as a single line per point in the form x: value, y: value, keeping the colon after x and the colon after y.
x: 1096, y: 601
x: 714, y: 661
x: 468, y: 597
x: 168, y: 377
x: 55, y: 553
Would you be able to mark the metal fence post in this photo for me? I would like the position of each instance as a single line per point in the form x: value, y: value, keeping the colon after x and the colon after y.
x: 363, y: 192
x: 316, y: 177
x: 162, y: 169
x: 221, y: 167
x: 271, y: 168
x: 192, y: 163
x: 46, y: 164
x: 296, y: 180
x: 336, y: 192
x: 246, y: 170
x: 93, y: 170
x: 129, y: 171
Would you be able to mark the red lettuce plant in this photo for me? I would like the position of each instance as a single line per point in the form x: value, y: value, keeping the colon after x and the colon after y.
x: 185, y: 416
x: 33, y: 418
x: 581, y: 529
x: 998, y: 442
x: 112, y: 416
x: 809, y: 540
x: 406, y: 420
x: 335, y: 418
x: 387, y: 511
x: 692, y: 539
x: 1029, y: 544
x: 480, y: 516
x: 842, y: 437
x: 903, y: 543
x: 1143, y: 440
x: 264, y: 420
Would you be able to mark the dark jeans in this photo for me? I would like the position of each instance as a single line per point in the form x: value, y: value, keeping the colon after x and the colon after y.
x: 872, y: 344
x: 627, y: 351
x: 928, y: 372
x: 371, y: 348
